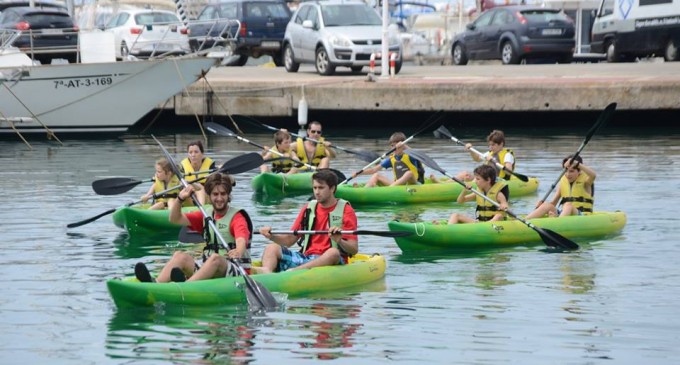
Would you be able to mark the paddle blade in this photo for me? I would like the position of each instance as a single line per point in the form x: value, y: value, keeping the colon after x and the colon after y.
x: 601, y: 121
x: 554, y: 239
x: 115, y: 185
x: 243, y: 163
x: 188, y: 236
x: 519, y: 176
x: 442, y: 132
x: 257, y: 295
x: 339, y: 174
x: 368, y: 156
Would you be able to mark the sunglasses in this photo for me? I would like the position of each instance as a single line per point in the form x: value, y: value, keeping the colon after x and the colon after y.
x: 314, y: 131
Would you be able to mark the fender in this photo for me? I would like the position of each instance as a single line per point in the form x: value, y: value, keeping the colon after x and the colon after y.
x: 511, y: 37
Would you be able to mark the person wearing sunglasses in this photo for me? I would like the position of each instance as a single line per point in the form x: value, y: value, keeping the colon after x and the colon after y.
x: 314, y: 150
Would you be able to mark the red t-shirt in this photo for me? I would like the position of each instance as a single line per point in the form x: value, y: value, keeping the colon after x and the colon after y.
x: 238, y: 227
x: 319, y: 243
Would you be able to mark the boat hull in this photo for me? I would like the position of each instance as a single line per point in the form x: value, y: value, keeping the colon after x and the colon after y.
x: 363, y: 269
x: 486, y: 235
x: 92, y: 97
x: 271, y: 184
x: 139, y: 220
x: 425, y: 193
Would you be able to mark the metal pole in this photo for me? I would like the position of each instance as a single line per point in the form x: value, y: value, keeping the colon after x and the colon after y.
x: 385, y: 59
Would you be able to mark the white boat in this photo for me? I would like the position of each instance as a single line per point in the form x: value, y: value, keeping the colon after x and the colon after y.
x: 89, y: 97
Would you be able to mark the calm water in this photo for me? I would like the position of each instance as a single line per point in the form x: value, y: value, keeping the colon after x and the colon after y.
x: 613, y: 302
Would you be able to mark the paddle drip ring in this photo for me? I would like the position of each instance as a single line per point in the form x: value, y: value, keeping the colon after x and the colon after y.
x: 415, y: 225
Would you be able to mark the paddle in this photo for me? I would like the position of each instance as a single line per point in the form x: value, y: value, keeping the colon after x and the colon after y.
x: 442, y: 132
x: 221, y: 130
x: 188, y: 236
x: 359, y: 231
x: 257, y: 295
x: 362, y: 154
x: 599, y: 123
x: 549, y: 237
x: 429, y: 122
x: 236, y: 165
x: 120, y: 185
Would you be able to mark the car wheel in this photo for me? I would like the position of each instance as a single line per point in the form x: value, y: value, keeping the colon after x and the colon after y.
x: 566, y: 59
x: 397, y: 66
x: 242, y: 60
x: 278, y: 59
x: 289, y: 59
x: 323, y: 62
x: 509, y: 54
x: 124, y: 51
x: 357, y: 69
x: 610, y: 50
x: 671, y: 52
x: 458, y: 55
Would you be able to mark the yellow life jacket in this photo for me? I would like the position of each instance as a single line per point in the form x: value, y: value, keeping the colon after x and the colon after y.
x: 319, y: 152
x: 281, y: 165
x: 576, y: 193
x: 499, y: 157
x: 399, y: 167
x: 160, y: 186
x: 205, y: 165
x: 485, y: 210
x: 223, y: 224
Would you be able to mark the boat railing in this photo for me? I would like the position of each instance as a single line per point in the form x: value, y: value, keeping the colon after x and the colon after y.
x: 165, y: 44
x: 222, y: 34
x: 66, y: 42
x: 7, y: 37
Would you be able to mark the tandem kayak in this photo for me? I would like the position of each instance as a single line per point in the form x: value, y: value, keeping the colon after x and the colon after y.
x: 268, y: 183
x: 484, y: 235
x: 362, y: 269
x: 424, y: 193
x: 138, y: 219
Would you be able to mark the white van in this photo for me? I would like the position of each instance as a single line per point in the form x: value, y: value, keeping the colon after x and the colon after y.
x: 626, y: 29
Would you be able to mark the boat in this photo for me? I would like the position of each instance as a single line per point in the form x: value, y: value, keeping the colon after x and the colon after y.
x: 424, y: 193
x: 268, y: 183
x: 140, y: 220
x: 106, y: 97
x: 431, y: 237
x: 362, y: 269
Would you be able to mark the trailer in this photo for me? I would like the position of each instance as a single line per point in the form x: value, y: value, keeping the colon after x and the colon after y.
x: 627, y: 29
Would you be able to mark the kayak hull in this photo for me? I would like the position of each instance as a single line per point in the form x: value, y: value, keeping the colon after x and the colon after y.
x: 271, y: 184
x: 424, y: 193
x: 139, y: 220
x: 362, y: 269
x: 485, y: 235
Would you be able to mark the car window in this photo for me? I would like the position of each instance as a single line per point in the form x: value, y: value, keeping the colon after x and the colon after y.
x: 302, y: 14
x: 43, y: 19
x: 502, y: 18
x: 229, y: 11
x: 155, y: 18
x: 484, y: 19
x: 314, y: 17
x: 544, y: 16
x: 207, y: 14
x: 263, y: 9
x: 343, y: 15
x: 122, y: 19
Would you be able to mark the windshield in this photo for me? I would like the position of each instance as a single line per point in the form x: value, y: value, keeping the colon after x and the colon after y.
x: 344, y: 14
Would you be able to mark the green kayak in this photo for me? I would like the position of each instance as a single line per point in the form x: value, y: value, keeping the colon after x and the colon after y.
x: 139, y: 220
x: 282, y: 184
x: 428, y: 192
x: 361, y: 270
x: 484, y: 235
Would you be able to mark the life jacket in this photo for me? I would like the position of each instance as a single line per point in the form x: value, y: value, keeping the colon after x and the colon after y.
x: 223, y: 224
x: 334, y: 220
x: 281, y: 165
x: 485, y: 210
x: 399, y: 167
x: 319, y: 152
x: 160, y: 186
x: 576, y: 193
x: 499, y: 157
x: 205, y: 165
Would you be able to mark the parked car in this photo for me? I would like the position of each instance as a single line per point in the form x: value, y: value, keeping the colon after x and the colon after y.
x: 515, y: 33
x: 335, y: 33
x: 256, y: 25
x: 46, y: 33
x: 147, y: 33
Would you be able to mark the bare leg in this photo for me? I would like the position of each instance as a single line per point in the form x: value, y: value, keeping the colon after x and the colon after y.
x: 330, y: 257
x: 214, y: 267
x: 377, y: 180
x: 182, y: 260
x: 542, y: 210
x: 324, y: 163
x: 407, y: 179
x: 568, y: 209
x: 270, y: 259
x: 460, y: 218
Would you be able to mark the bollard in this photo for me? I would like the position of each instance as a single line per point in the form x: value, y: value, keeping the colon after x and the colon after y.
x: 393, y: 64
x: 371, y: 66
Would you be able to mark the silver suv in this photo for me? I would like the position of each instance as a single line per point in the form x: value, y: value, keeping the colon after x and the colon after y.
x: 333, y: 33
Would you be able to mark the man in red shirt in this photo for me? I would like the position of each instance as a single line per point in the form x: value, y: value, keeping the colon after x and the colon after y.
x: 233, y: 224
x: 325, y: 212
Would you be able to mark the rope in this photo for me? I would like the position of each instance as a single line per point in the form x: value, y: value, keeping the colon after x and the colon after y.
x: 198, y: 121
x: 11, y: 124
x: 50, y: 133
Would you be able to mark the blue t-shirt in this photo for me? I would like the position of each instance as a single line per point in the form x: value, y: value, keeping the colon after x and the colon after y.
x: 387, y: 163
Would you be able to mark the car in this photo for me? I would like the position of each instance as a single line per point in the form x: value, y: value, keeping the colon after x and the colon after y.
x: 336, y: 33
x: 46, y: 33
x: 145, y: 33
x: 256, y: 26
x: 516, y: 33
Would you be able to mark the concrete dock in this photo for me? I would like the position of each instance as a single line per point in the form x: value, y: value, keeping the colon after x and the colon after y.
x: 480, y: 88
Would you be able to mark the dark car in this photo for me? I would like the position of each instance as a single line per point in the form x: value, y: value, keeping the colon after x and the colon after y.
x: 46, y: 33
x: 257, y: 25
x: 516, y: 33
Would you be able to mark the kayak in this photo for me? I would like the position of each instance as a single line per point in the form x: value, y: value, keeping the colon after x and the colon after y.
x: 362, y: 269
x: 268, y: 183
x: 139, y: 219
x: 428, y: 236
x: 424, y: 193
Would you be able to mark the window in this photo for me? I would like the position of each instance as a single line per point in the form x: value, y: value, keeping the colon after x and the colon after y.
x: 484, y: 19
